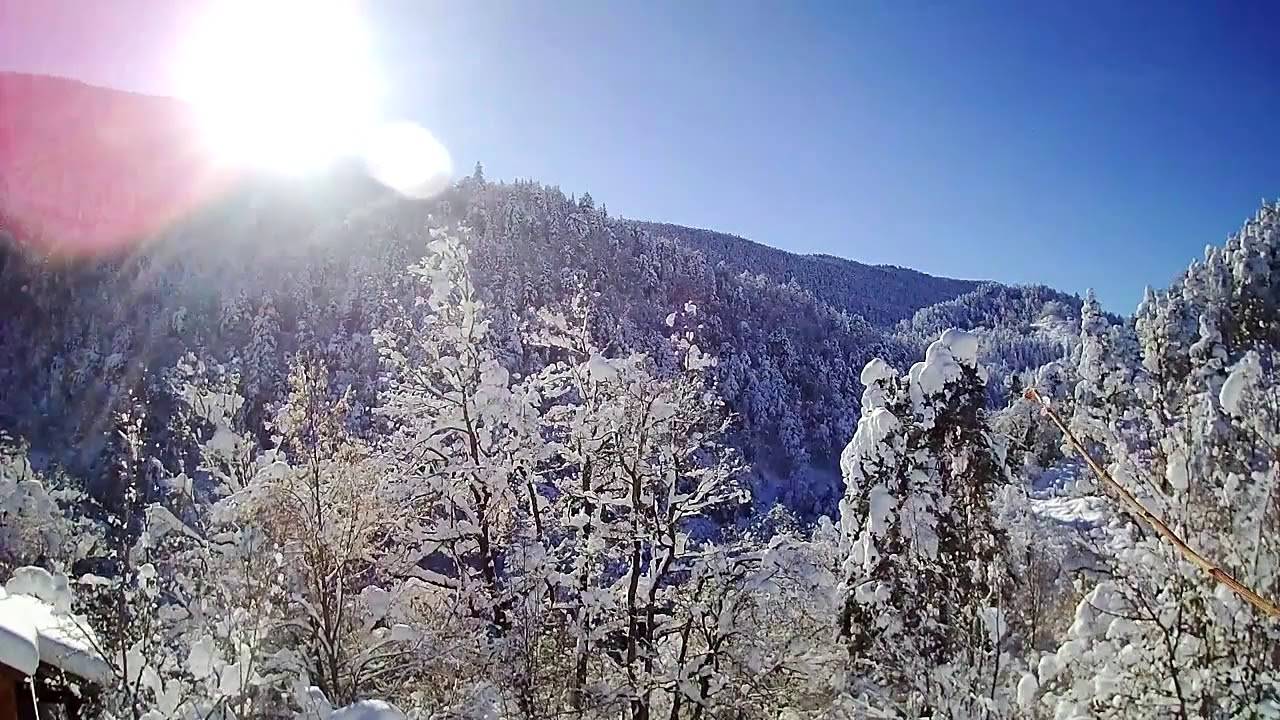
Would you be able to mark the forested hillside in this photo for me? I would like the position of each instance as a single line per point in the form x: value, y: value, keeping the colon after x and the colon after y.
x: 273, y: 270
x: 311, y: 449
x: 520, y: 517
x: 882, y: 295
x: 299, y: 420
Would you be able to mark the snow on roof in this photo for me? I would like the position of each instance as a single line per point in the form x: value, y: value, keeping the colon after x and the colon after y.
x: 36, y: 625
x: 18, y: 641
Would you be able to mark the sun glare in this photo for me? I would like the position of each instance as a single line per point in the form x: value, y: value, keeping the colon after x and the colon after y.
x: 283, y: 85
x: 407, y: 158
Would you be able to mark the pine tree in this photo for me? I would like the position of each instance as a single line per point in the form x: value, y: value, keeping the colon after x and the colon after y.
x: 262, y: 363
x: 925, y: 586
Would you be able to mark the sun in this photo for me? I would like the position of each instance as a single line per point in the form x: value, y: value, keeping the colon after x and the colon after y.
x: 282, y: 85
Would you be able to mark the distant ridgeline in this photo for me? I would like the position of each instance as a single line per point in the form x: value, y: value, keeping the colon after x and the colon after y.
x: 272, y: 269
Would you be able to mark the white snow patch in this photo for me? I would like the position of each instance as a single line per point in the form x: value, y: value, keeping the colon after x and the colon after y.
x: 1027, y: 688
x: 1048, y: 668
x: 1242, y: 376
x: 879, y: 425
x: 963, y: 345
x: 996, y: 623
x: 882, y: 502
x: 200, y: 658
x: 942, y: 363
x: 875, y: 371
x: 1080, y: 512
x: 368, y: 710
x: 38, y: 604
x: 868, y: 440
x: 600, y: 369
x: 1175, y: 470
x: 19, y: 645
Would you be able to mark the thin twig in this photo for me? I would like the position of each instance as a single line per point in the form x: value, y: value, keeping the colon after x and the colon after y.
x: 1214, y: 571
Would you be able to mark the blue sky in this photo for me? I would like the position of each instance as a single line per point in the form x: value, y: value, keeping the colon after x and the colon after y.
x: 1074, y: 144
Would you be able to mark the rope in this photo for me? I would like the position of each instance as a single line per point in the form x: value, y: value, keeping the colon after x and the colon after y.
x: 1214, y: 571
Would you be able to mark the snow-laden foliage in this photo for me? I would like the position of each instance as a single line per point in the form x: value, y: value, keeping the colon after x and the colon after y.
x: 1195, y: 434
x: 505, y: 546
x: 503, y: 456
x: 926, y: 584
x: 35, y: 525
x: 267, y: 275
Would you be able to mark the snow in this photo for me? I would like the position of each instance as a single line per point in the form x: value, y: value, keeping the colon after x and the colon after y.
x: 1051, y: 499
x: 942, y: 363
x: 868, y: 440
x: 996, y: 622
x: 368, y: 710
x: 698, y: 360
x: 599, y: 368
x: 1027, y: 688
x: 229, y: 680
x: 36, y: 604
x: 1048, y: 668
x: 875, y: 371
x: 39, y: 583
x: 879, y: 425
x: 18, y: 641
x: 1242, y: 377
x: 1176, y: 470
x: 200, y: 658
x: 401, y: 632
x: 882, y: 504
x: 963, y: 345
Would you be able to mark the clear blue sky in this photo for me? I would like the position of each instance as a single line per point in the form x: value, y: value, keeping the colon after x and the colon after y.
x: 1075, y: 144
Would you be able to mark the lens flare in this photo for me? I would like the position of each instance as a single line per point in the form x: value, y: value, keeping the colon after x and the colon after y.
x: 282, y: 85
x: 408, y: 159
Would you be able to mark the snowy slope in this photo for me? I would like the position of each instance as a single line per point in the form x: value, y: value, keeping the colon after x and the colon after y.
x: 881, y: 294
x: 265, y: 268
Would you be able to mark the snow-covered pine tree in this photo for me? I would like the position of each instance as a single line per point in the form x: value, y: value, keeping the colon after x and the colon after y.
x: 924, y: 583
x: 1110, y: 378
x: 1089, y: 422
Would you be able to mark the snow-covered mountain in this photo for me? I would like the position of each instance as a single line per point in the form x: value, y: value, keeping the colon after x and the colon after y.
x: 881, y: 294
x: 327, y: 432
x: 262, y: 269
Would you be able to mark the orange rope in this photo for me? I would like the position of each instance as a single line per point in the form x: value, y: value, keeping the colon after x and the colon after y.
x: 1215, y: 572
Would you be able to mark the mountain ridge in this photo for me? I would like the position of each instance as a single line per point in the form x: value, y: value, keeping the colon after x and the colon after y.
x: 753, y: 256
x: 266, y: 270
